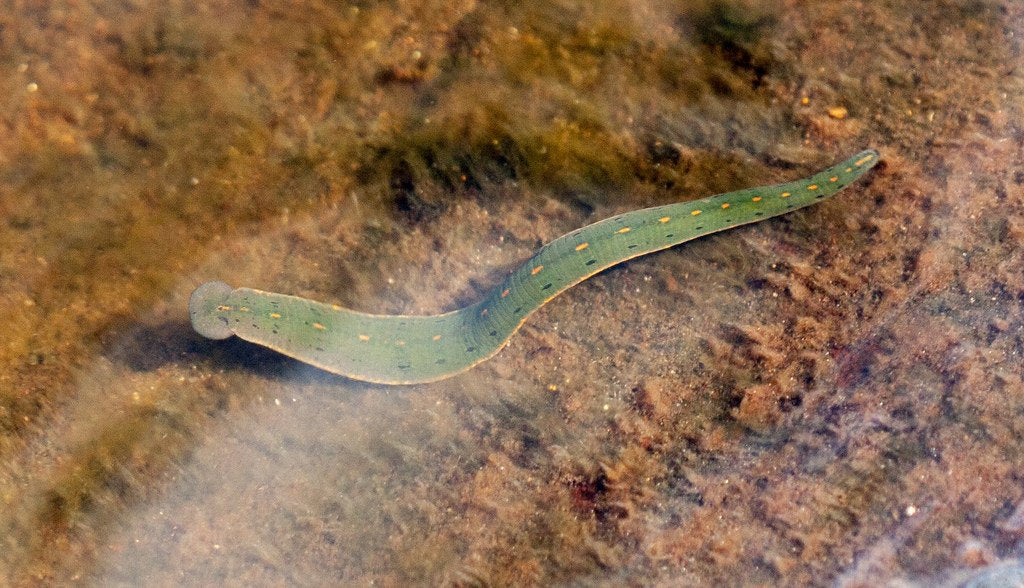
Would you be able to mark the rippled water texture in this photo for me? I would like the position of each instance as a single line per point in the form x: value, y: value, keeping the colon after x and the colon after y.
x: 832, y: 397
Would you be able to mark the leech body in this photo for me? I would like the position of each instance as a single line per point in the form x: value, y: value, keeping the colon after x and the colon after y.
x: 391, y: 349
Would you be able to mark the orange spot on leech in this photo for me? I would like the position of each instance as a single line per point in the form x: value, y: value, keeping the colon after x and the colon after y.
x: 725, y: 205
x: 664, y: 219
x: 318, y: 326
x: 243, y: 308
x: 862, y: 160
x: 623, y: 230
x: 812, y: 187
x: 695, y: 212
x: 756, y: 198
x: 834, y: 179
x: 400, y: 343
x: 849, y: 169
x: 364, y: 337
x: 223, y: 307
x: 437, y: 337
x: 335, y: 307
x: 275, y: 315
x: 582, y: 246
x: 785, y: 194
x: 536, y: 270
x: 504, y: 293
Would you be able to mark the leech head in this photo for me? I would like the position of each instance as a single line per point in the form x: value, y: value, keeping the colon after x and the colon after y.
x: 206, y: 308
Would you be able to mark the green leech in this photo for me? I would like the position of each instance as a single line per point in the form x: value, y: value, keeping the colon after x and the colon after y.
x: 396, y: 349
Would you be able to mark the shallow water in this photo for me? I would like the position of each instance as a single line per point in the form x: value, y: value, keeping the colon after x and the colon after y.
x: 832, y: 397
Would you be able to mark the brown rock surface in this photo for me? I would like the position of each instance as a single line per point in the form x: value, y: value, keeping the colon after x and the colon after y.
x: 830, y: 397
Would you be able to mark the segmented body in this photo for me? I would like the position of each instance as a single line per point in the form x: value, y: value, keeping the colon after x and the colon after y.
x: 392, y: 349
